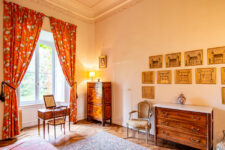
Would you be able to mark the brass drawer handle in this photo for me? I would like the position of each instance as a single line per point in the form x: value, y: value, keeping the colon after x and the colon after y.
x: 193, y: 140
x: 197, y: 118
x: 166, y: 133
x: 195, y: 130
x: 165, y: 123
x: 165, y: 114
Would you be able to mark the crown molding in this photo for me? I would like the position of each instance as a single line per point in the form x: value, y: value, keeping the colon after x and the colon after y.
x: 85, y: 14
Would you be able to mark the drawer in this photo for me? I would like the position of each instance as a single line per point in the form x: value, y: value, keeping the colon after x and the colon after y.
x: 182, y: 115
x: 95, y: 112
x: 196, y: 129
x: 94, y: 96
x: 186, y: 139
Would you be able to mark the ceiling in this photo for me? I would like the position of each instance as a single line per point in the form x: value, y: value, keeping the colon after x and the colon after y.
x: 91, y: 10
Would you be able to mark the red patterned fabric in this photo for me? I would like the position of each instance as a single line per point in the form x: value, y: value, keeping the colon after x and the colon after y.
x: 65, y: 42
x: 22, y: 27
x: 31, y: 144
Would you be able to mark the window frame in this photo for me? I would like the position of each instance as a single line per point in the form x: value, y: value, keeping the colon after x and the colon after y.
x: 38, y: 100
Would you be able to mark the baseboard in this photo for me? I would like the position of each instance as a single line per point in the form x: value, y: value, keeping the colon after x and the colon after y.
x: 117, y: 122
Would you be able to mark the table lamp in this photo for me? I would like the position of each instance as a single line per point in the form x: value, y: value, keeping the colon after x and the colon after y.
x: 92, y: 75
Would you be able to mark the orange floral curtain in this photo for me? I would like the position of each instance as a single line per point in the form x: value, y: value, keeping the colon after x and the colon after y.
x: 65, y: 42
x: 22, y: 27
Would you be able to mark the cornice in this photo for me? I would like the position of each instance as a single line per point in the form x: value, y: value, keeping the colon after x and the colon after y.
x: 82, y: 16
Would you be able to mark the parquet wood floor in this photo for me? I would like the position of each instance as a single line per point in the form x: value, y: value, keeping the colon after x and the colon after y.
x: 84, y: 129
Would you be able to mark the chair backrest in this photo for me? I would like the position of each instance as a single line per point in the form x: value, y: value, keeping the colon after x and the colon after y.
x: 49, y: 101
x: 144, y: 108
x: 59, y: 112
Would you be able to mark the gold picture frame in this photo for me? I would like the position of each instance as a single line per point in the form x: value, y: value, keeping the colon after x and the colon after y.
x: 148, y: 77
x: 173, y: 60
x: 216, y: 55
x: 205, y: 75
x: 193, y: 58
x: 148, y: 92
x: 156, y: 61
x: 223, y: 75
x: 183, y: 76
x: 164, y: 77
x: 102, y: 61
x: 223, y: 95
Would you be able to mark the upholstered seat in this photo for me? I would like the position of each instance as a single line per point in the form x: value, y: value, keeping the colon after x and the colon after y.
x: 139, y: 123
x: 143, y: 120
x: 58, y: 121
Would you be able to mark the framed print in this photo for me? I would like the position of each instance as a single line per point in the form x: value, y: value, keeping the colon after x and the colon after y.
x: 216, y: 55
x: 206, y: 76
x: 148, y: 92
x: 223, y: 75
x: 164, y: 77
x: 148, y: 77
x: 156, y: 61
x: 193, y: 58
x: 183, y: 76
x: 102, y: 61
x: 173, y: 60
x: 223, y: 95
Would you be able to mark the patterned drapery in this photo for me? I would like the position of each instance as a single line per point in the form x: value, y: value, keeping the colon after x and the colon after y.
x: 65, y: 42
x: 22, y: 27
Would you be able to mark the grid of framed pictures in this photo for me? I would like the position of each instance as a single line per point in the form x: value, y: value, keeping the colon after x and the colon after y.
x: 206, y: 75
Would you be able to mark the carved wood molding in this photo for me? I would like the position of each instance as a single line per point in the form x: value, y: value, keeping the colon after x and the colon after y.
x: 89, y: 16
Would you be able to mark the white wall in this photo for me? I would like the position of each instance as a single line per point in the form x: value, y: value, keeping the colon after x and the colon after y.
x: 85, y: 45
x: 154, y: 27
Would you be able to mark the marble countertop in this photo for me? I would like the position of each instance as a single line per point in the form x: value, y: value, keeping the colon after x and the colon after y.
x: 202, y: 109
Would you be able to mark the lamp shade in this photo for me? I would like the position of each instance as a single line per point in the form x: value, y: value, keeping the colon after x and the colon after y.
x: 92, y: 74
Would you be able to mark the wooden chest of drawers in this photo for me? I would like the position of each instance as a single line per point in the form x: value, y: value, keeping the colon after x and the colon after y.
x: 99, y: 101
x: 187, y: 125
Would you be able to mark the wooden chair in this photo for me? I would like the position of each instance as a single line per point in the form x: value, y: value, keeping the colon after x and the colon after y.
x: 143, y: 120
x: 59, y: 113
x: 58, y: 118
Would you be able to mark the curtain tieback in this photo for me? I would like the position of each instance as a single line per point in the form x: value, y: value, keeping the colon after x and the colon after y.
x: 9, y: 85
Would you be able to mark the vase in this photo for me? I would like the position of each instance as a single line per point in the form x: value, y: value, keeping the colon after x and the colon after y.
x: 181, y: 99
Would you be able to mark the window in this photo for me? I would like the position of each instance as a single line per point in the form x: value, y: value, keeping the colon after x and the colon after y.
x: 44, y: 75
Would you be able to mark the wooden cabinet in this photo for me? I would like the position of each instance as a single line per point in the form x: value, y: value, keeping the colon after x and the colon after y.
x: 99, y: 105
x: 184, y: 124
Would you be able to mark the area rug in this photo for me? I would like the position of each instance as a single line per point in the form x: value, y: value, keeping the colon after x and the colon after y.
x: 103, y: 141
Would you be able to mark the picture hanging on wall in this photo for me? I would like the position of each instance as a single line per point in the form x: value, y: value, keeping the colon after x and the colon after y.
x: 164, y: 77
x: 216, y: 55
x: 173, y: 60
x: 148, y: 92
x: 183, y: 76
x: 206, y: 76
x: 102, y: 61
x: 223, y: 95
x: 223, y: 75
x: 148, y: 77
x: 156, y: 61
x: 193, y: 58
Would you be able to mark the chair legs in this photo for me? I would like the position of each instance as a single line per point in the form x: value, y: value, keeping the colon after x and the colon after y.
x: 147, y: 136
x: 146, y: 130
x: 48, y: 130
x: 127, y: 130
x: 55, y: 131
x: 64, y: 128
